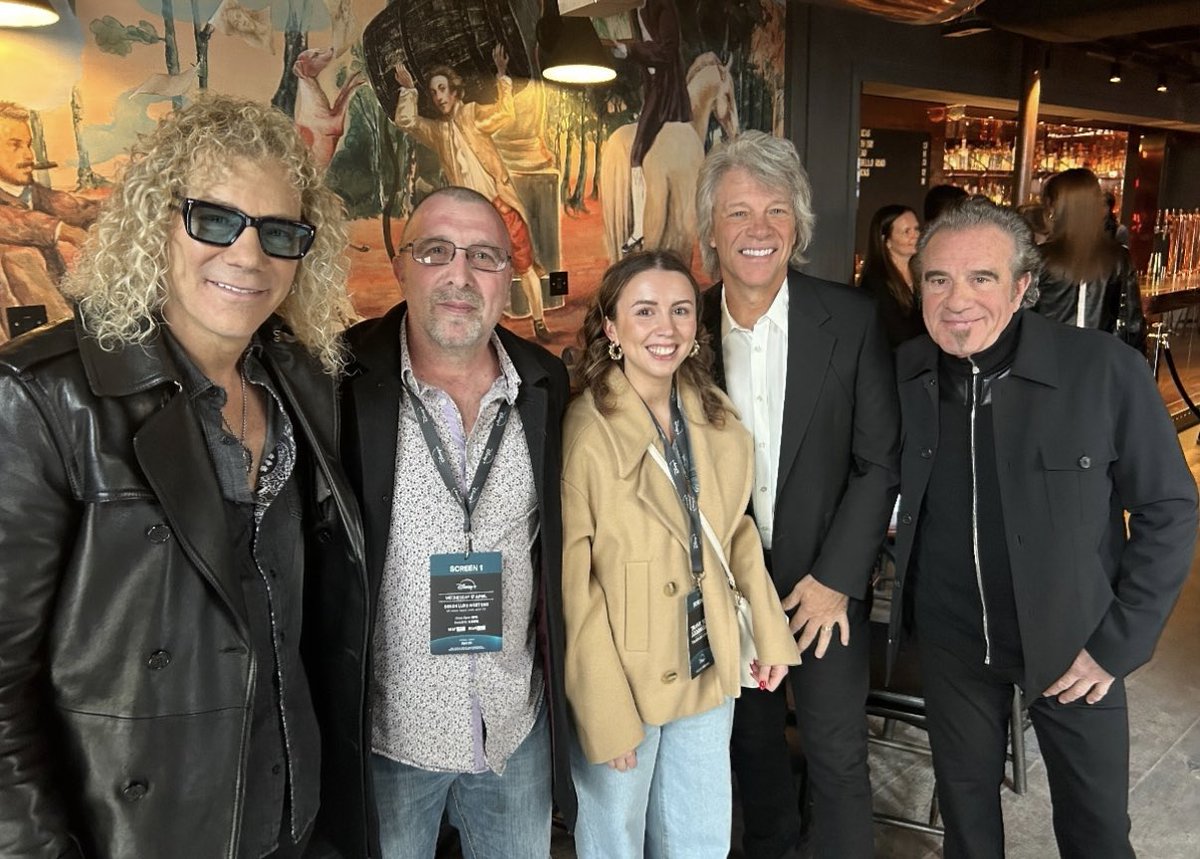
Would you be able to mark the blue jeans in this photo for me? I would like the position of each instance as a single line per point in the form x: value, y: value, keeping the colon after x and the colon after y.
x: 497, y: 816
x: 675, y: 804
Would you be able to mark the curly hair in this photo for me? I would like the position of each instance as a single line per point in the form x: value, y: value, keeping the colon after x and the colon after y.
x: 591, y: 370
x: 121, y: 276
x: 771, y: 161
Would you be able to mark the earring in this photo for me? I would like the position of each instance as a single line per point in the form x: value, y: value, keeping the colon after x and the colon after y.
x: 695, y: 350
x: 614, y: 350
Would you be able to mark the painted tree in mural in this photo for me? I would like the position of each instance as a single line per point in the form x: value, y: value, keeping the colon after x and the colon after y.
x: 113, y: 37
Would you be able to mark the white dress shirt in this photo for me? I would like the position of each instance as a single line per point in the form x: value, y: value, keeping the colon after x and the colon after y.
x: 756, y: 381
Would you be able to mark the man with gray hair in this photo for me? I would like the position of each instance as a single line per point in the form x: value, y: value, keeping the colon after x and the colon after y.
x: 806, y: 364
x: 1026, y: 445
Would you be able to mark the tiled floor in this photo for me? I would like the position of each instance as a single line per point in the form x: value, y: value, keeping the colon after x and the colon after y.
x: 1164, y: 712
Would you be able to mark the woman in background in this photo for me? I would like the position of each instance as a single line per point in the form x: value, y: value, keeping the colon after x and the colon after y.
x: 891, y: 243
x: 651, y: 687
x: 1088, y: 279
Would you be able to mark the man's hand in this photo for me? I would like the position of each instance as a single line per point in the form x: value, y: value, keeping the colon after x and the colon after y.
x: 500, y: 58
x: 403, y: 77
x: 625, y: 762
x: 818, y: 610
x: 1084, y: 677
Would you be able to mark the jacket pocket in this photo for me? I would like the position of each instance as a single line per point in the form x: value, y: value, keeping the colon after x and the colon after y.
x: 1077, y: 480
x: 637, y: 605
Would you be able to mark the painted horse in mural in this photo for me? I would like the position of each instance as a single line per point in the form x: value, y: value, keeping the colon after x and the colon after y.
x: 671, y: 166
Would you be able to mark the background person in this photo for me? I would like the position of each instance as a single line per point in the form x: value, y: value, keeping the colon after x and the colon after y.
x: 1088, y: 279
x: 891, y: 242
x: 170, y: 461
x: 652, y: 765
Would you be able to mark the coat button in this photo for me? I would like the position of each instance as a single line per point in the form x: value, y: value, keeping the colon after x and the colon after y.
x: 670, y: 588
x: 1085, y: 462
x: 926, y: 453
x: 158, y: 660
x: 134, y: 791
x: 670, y: 677
x: 159, y: 533
x: 906, y: 519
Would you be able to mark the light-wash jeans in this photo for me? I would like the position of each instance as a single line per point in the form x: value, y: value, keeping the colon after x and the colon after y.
x: 675, y: 804
x: 497, y: 816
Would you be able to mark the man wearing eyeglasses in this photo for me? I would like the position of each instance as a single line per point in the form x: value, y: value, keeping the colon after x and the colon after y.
x: 174, y: 639
x: 452, y: 443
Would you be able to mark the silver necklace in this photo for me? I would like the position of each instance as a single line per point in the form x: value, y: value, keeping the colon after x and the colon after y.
x: 247, y: 456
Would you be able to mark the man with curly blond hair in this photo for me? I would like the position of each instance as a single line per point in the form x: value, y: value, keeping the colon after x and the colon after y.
x: 171, y: 639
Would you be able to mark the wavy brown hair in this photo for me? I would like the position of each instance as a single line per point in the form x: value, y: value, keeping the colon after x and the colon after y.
x: 591, y: 370
x: 120, y: 279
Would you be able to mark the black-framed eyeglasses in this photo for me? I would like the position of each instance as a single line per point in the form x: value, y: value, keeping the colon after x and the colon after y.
x: 214, y: 224
x: 441, y: 252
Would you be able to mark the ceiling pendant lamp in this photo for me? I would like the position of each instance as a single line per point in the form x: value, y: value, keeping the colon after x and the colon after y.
x: 570, y: 51
x: 27, y: 13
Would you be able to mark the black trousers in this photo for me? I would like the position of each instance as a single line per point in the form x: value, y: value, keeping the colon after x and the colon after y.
x: 830, y: 696
x: 1085, y: 747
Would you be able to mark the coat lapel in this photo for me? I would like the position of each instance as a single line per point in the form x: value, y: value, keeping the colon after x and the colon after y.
x: 533, y: 404
x: 374, y: 390
x: 188, y: 491
x: 810, y: 349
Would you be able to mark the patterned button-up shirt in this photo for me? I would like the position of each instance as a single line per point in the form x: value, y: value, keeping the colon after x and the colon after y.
x: 431, y: 711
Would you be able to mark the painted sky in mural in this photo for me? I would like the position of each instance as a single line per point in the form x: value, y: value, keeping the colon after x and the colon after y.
x: 399, y: 98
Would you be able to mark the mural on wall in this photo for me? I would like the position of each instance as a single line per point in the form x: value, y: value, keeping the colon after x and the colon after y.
x: 396, y: 99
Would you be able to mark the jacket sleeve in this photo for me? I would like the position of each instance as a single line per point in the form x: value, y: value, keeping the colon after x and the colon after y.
x: 1152, y: 481
x: 38, y: 519
x: 856, y: 531
x: 772, y: 638
x: 606, y: 716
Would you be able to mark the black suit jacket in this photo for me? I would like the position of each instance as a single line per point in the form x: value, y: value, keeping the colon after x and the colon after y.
x: 838, y: 457
x: 1081, y: 437
x: 371, y: 412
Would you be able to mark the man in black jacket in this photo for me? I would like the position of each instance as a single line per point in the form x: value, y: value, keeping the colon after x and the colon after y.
x: 1026, y: 445
x: 453, y: 446
x: 806, y: 364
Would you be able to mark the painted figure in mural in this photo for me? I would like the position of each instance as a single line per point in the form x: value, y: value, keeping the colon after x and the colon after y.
x: 467, y: 698
x: 809, y: 370
x: 321, y: 123
x: 669, y: 166
x: 172, y: 500
x: 462, y: 139
x: 653, y: 704
x: 33, y: 220
x: 664, y: 95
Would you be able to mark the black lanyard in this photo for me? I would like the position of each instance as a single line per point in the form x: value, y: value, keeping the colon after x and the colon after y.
x: 678, y: 454
x: 441, y: 457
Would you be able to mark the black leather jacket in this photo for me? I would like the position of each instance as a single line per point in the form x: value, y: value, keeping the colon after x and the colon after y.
x: 1115, y: 308
x: 126, y: 675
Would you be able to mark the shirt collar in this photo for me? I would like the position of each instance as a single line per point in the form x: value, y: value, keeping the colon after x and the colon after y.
x: 18, y: 191
x: 777, y: 313
x: 509, y: 381
x: 194, y: 382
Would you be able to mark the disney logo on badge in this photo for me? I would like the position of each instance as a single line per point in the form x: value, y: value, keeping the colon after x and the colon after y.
x: 467, y: 585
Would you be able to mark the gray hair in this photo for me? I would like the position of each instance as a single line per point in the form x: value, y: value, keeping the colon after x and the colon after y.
x: 772, y: 161
x: 13, y: 111
x: 982, y: 212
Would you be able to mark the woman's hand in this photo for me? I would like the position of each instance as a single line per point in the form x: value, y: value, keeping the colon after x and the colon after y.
x: 625, y: 762
x: 768, y: 676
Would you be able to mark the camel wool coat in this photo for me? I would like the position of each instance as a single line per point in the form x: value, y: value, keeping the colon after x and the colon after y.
x: 627, y: 570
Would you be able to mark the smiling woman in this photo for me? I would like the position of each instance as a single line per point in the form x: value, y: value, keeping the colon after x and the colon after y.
x: 654, y: 659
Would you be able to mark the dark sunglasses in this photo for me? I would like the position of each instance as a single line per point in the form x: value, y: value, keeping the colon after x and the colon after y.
x: 214, y: 224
